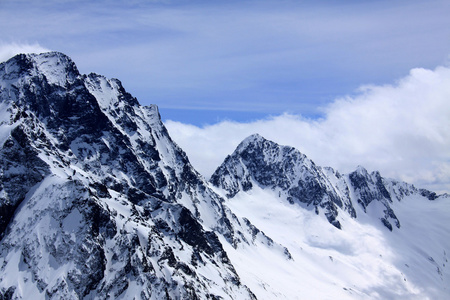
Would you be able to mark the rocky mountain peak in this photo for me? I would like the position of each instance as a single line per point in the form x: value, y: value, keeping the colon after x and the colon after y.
x: 256, y: 147
x: 283, y: 169
x: 360, y: 170
x: 56, y: 67
x: 254, y: 139
x: 93, y: 187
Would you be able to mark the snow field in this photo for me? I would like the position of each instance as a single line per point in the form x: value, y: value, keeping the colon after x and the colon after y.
x: 364, y: 260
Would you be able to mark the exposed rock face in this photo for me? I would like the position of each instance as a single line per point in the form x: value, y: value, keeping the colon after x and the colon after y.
x: 284, y: 169
x: 370, y: 187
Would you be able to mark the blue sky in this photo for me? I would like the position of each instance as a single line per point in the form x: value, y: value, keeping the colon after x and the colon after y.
x: 206, y: 61
x: 346, y: 82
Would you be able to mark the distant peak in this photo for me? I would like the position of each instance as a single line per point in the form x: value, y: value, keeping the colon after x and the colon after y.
x: 50, y: 54
x: 56, y: 66
x: 40, y: 58
x: 250, y: 140
x: 254, y: 138
x: 361, y: 170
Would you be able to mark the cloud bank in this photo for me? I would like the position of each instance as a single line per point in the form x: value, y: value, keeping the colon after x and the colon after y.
x: 402, y: 130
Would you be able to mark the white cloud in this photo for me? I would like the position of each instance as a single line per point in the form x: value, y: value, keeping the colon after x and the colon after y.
x: 403, y: 130
x: 8, y: 50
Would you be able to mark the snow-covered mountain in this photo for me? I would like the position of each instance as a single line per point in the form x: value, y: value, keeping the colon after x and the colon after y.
x: 96, y: 199
x: 389, y: 241
x: 97, y: 202
x: 296, y: 178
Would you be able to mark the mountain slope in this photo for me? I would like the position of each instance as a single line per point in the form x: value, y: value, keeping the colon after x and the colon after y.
x: 389, y: 239
x: 286, y: 170
x: 96, y: 199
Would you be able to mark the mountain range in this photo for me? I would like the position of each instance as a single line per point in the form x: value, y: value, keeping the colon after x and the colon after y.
x: 98, y: 202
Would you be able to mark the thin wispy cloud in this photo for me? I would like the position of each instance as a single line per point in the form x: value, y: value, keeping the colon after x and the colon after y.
x: 266, y: 56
